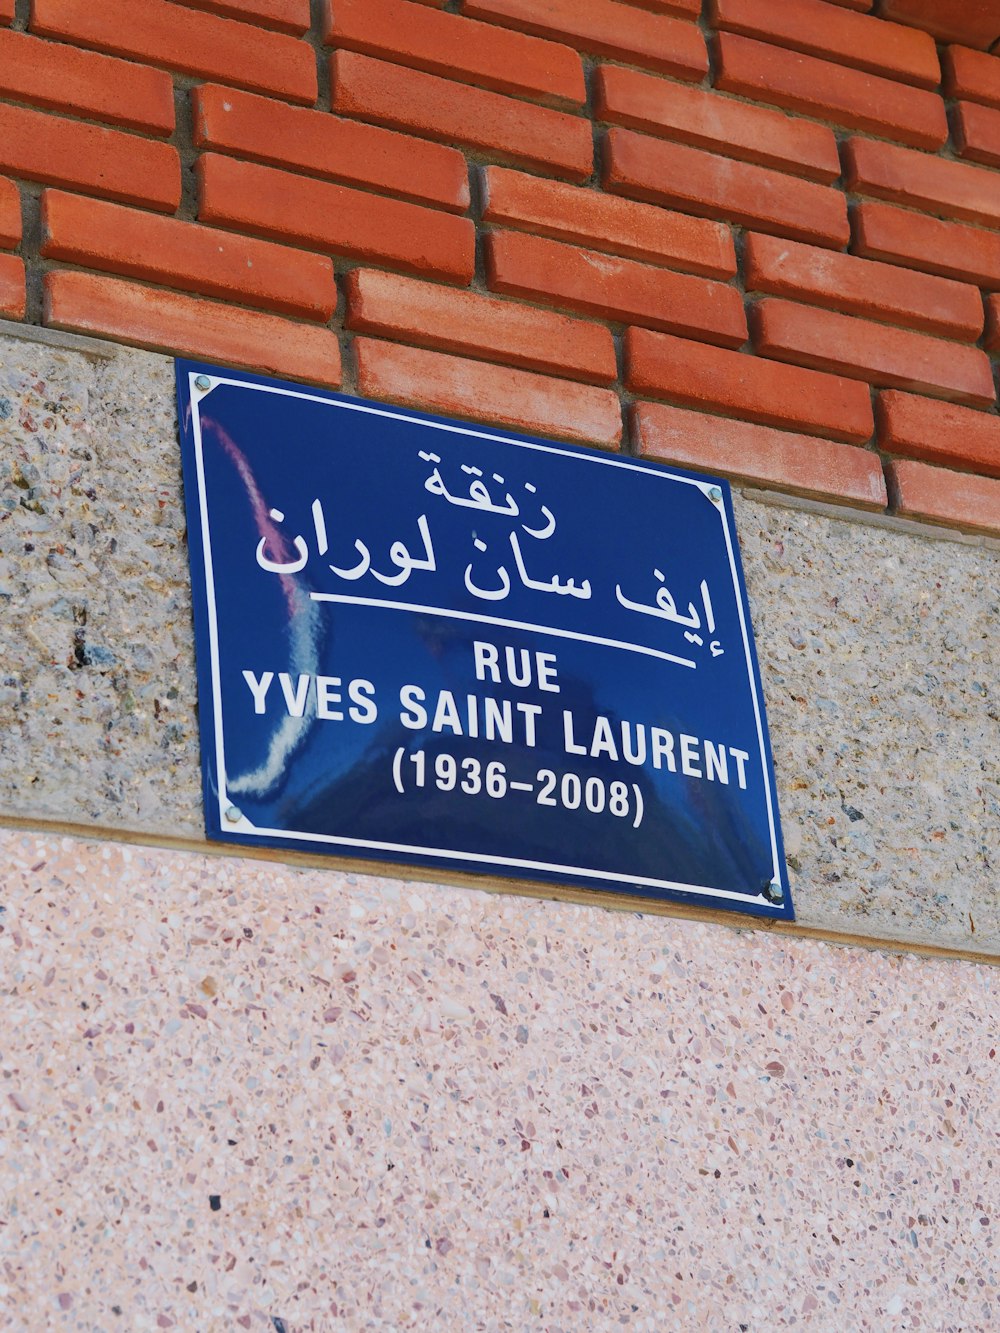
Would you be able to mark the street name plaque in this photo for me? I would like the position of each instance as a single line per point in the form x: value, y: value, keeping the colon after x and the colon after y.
x: 427, y: 642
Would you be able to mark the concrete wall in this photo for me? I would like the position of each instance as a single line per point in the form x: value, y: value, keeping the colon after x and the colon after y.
x: 879, y: 650
x: 432, y: 1108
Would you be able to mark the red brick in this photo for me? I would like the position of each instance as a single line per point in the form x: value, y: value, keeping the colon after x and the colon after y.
x: 814, y: 27
x: 746, y: 386
x: 971, y: 74
x: 85, y: 84
x: 992, y: 339
x: 408, y: 99
x: 499, y: 395
x: 613, y: 288
x: 284, y: 15
x: 956, y: 499
x: 604, y: 222
x: 324, y: 145
x: 12, y: 289
x: 334, y: 218
x: 819, y: 88
x: 972, y: 22
x: 861, y: 349
x: 948, y: 248
x: 862, y: 6
x: 953, y: 189
x: 938, y: 432
x: 453, y: 321
x: 6, y: 11
x: 166, y: 321
x: 606, y: 28
x: 121, y: 166
x: 801, y: 464
x: 706, y: 120
x: 976, y: 132
x: 185, y: 40
x: 690, y: 9
x: 718, y: 187
x: 457, y: 48
x: 862, y: 287
x: 10, y: 214
x: 178, y: 254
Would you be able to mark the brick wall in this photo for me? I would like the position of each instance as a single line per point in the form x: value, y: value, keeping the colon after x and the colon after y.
x: 756, y: 237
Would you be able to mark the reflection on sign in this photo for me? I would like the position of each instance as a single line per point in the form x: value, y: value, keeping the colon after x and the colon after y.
x: 418, y: 640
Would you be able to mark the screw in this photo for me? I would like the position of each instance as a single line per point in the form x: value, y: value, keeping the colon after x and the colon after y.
x: 203, y: 383
x: 715, y: 495
x: 774, y: 891
x: 234, y: 814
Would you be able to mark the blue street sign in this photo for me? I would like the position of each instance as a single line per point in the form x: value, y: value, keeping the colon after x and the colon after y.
x: 427, y: 642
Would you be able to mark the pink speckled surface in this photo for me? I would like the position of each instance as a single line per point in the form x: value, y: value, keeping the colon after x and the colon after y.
x: 429, y: 1108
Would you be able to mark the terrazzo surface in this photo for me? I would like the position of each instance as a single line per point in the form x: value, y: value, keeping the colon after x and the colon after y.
x: 235, y: 1095
x: 879, y: 650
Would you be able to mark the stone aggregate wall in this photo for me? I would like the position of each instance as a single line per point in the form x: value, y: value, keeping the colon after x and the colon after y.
x: 879, y: 651
x: 234, y: 1093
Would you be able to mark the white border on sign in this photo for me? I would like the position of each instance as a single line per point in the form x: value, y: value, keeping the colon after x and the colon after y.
x: 244, y: 825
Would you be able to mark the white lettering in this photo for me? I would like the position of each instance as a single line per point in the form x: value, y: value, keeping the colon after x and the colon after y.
x: 603, y: 742
x: 487, y: 659
x: 472, y: 704
x: 259, y: 688
x: 498, y: 721
x: 327, y: 694
x: 518, y: 662
x: 530, y: 713
x: 634, y: 754
x: 715, y: 758
x: 661, y: 744
x: 294, y: 702
x: 520, y: 666
x: 546, y: 664
x: 362, y: 696
x: 689, y: 756
x: 413, y: 715
x: 571, y: 746
x: 446, y: 714
x: 741, y: 758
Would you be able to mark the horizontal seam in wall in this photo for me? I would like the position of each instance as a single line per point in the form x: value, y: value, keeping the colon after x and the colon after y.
x: 76, y: 342
x: 873, y: 518
x: 484, y: 884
